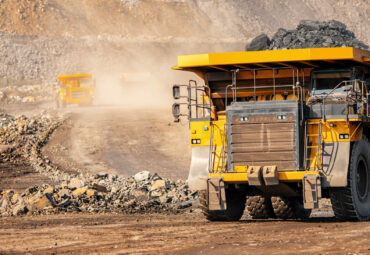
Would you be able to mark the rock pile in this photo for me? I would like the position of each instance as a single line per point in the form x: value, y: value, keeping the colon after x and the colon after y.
x: 21, y: 140
x: 141, y: 193
x: 308, y: 34
x: 27, y: 93
x: 22, y: 137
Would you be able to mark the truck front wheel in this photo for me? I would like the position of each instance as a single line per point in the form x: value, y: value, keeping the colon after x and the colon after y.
x: 353, y: 202
x: 235, y: 201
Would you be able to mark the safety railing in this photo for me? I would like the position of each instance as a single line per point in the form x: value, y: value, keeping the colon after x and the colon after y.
x: 295, y: 86
x: 196, y: 98
x: 221, y: 155
x: 356, y: 94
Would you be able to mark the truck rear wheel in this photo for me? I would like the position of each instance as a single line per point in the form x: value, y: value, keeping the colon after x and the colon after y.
x: 353, y: 202
x: 287, y: 208
x: 259, y: 207
x: 235, y: 206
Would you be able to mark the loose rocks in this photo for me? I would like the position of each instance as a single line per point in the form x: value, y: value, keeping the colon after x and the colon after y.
x: 308, y: 34
x: 33, y: 93
x: 261, y: 42
x: 142, y: 176
x: 123, y: 195
x: 144, y: 192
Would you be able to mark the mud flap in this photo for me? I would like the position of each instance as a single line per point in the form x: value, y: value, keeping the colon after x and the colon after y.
x: 311, y: 191
x: 216, y: 198
x: 198, y: 174
x: 336, y: 158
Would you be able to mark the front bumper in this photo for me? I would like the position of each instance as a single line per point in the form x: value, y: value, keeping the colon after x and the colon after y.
x: 288, y: 176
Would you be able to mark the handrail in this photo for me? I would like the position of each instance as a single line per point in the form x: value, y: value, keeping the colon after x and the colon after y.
x: 293, y: 87
x: 363, y: 91
x: 212, y: 151
x: 223, y: 149
x: 234, y: 87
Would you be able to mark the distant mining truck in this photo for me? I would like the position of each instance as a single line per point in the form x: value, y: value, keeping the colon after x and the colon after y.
x: 277, y: 131
x: 75, y: 89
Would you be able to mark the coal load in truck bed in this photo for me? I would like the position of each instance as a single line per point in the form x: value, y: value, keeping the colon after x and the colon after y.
x: 308, y: 34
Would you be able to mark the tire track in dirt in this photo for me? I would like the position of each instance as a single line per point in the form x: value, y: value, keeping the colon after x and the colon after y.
x: 122, y: 141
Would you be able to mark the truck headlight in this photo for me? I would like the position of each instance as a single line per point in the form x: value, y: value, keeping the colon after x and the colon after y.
x: 195, y: 141
x: 343, y: 136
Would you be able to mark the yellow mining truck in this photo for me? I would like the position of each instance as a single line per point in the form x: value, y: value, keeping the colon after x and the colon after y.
x: 276, y: 131
x: 75, y: 89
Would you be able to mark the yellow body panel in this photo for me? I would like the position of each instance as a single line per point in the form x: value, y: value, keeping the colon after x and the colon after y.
x: 283, y: 176
x: 74, y: 76
x: 273, y: 56
x: 202, y: 130
x: 330, y: 132
x: 241, y: 169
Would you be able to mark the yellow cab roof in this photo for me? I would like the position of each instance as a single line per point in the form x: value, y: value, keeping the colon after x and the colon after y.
x: 74, y: 76
x: 297, y: 58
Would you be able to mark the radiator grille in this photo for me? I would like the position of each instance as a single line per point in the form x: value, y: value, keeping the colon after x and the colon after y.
x: 79, y: 94
x: 263, y: 140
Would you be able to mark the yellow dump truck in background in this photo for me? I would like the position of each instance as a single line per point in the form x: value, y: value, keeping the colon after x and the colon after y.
x: 75, y: 89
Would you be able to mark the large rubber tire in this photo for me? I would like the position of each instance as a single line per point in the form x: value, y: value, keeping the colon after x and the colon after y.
x: 234, y: 210
x: 260, y: 207
x: 289, y: 208
x: 353, y: 202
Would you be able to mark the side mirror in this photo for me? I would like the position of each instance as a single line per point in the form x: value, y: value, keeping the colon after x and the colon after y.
x: 176, y: 112
x: 176, y: 91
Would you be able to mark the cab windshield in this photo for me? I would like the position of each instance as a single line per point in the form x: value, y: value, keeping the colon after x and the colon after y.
x: 323, y: 82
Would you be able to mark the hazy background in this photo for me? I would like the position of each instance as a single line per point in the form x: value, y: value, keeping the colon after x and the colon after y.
x: 42, y: 39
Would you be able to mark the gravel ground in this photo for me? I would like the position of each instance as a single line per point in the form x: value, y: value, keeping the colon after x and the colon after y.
x: 178, y: 234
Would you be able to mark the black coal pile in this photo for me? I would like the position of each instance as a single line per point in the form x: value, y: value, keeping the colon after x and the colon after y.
x: 308, y: 34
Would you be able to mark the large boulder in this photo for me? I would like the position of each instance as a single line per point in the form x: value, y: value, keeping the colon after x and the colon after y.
x: 142, y: 176
x: 76, y: 183
x: 261, y: 42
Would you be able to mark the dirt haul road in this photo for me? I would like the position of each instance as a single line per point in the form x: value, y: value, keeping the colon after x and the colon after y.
x: 122, y: 141
x: 178, y: 234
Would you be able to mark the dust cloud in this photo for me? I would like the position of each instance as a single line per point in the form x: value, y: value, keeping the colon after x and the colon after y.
x: 132, y: 88
x: 137, y: 77
x: 134, y: 70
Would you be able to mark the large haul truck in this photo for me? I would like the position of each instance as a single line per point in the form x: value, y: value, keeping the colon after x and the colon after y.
x: 75, y: 89
x: 276, y: 131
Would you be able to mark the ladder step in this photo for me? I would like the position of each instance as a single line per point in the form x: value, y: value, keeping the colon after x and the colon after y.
x: 313, y: 135
x: 311, y: 146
